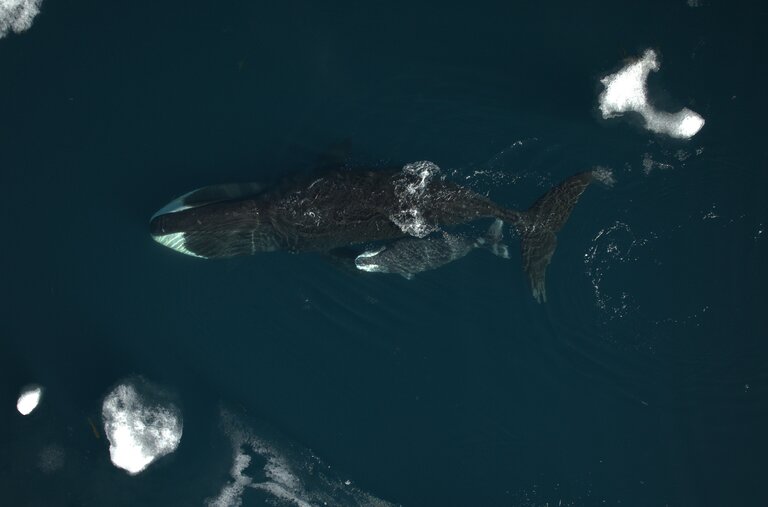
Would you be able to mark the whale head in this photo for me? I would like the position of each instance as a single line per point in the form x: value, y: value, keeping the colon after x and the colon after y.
x: 198, y: 225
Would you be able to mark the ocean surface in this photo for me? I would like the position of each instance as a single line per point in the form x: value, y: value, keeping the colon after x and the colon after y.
x: 281, y: 379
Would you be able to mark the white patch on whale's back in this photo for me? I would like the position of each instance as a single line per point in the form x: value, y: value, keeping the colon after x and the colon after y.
x: 411, y: 191
x: 176, y: 241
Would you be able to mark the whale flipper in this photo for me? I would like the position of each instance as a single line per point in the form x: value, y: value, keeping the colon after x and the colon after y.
x: 492, y: 240
x: 539, y: 224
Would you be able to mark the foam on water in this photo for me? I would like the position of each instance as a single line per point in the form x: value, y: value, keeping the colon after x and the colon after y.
x: 615, y: 244
x: 604, y: 175
x: 411, y: 190
x: 626, y: 91
x: 141, y: 424
x: 17, y: 15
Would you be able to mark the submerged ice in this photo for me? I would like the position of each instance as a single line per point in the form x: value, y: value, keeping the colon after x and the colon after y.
x: 141, y: 423
x: 285, y: 473
x: 626, y: 92
x: 51, y: 458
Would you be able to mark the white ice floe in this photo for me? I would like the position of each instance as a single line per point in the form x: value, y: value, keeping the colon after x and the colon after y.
x: 17, y: 15
x: 626, y: 91
x: 287, y: 474
x: 29, y: 399
x: 141, y: 424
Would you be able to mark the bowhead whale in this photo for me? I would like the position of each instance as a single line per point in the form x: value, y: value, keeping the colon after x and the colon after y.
x: 356, y: 207
x: 410, y: 256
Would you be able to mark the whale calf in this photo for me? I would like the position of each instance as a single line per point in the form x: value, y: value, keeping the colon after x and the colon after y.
x: 356, y: 207
x: 410, y: 256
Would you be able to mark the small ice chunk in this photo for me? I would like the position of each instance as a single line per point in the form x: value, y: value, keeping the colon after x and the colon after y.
x: 29, y: 399
x: 141, y: 424
x: 17, y: 15
x: 626, y: 91
x: 649, y: 164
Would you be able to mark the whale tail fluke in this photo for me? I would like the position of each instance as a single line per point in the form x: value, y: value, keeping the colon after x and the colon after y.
x: 539, y: 225
x: 492, y: 240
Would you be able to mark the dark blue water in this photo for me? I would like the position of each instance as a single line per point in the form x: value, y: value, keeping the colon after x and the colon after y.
x: 641, y: 382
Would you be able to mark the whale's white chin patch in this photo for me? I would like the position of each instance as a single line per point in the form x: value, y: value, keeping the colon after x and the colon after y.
x: 362, y: 264
x: 175, y: 241
x: 371, y: 268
